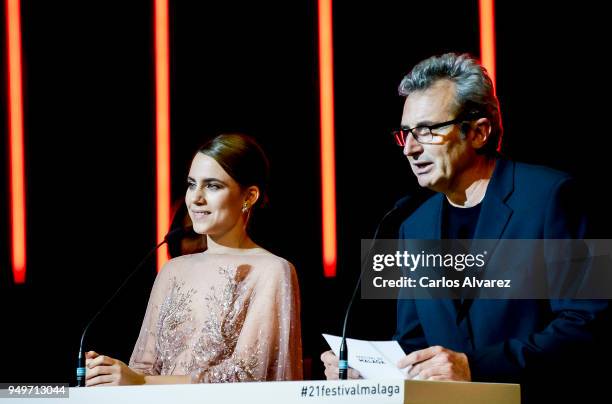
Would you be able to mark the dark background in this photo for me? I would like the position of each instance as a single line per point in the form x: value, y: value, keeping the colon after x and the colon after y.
x: 252, y: 67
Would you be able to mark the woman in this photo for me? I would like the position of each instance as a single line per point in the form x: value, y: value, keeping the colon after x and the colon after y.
x: 230, y: 313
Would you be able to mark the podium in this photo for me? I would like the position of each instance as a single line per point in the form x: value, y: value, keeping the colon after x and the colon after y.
x: 320, y: 391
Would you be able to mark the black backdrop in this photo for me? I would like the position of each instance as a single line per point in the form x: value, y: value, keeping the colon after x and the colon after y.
x: 252, y: 67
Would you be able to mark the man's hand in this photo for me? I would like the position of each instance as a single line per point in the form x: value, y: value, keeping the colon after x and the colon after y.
x: 331, y: 367
x: 105, y: 371
x: 436, y: 363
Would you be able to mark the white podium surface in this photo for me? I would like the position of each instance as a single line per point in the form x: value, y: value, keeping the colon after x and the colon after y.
x: 353, y: 391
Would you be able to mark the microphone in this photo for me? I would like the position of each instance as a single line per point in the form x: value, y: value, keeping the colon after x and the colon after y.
x: 402, y: 208
x: 171, y: 236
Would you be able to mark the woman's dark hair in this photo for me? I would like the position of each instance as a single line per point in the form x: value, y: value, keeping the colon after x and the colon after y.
x: 243, y: 159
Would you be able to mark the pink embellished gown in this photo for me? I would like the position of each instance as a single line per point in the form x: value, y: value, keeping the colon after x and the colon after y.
x: 228, y: 316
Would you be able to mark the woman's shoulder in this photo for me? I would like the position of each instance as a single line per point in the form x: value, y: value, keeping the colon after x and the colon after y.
x: 176, y: 265
x: 273, y: 259
x: 272, y: 264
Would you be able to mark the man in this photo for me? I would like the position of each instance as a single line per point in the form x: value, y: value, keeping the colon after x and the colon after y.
x: 451, y: 128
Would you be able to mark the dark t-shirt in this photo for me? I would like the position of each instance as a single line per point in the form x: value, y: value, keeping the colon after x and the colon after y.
x: 459, y: 223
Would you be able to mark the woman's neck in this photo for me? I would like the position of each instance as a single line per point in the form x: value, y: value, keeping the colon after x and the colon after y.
x: 226, y: 244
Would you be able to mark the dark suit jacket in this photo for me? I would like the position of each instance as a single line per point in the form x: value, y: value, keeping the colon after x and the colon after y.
x: 508, y: 340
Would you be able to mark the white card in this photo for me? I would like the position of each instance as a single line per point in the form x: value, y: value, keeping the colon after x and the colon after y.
x: 372, y: 359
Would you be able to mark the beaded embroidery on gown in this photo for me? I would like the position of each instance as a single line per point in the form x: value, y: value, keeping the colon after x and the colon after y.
x: 223, y: 317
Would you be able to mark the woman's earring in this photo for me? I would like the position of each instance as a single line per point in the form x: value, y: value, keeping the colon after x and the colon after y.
x: 245, y: 207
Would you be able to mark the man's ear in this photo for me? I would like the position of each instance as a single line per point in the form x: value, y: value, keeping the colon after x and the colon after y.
x: 481, y: 130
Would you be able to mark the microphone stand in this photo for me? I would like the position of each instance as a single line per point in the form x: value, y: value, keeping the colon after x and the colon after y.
x: 404, y: 205
x: 80, y: 370
x: 343, y: 358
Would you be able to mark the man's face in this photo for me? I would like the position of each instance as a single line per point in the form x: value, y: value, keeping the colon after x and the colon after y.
x: 437, y: 166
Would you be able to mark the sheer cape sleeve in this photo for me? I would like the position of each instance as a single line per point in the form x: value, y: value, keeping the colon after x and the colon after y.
x: 222, y: 318
x: 268, y: 345
x: 145, y: 357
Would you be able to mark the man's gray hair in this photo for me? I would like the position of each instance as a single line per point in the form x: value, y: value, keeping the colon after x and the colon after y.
x: 475, y: 93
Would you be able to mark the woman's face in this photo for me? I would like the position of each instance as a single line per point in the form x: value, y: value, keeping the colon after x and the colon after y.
x: 214, y: 199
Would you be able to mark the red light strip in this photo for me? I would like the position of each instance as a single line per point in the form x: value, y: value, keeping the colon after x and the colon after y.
x: 487, y: 36
x: 162, y: 108
x: 328, y: 161
x: 16, y: 158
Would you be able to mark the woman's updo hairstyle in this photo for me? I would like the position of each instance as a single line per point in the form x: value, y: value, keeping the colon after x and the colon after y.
x: 243, y: 159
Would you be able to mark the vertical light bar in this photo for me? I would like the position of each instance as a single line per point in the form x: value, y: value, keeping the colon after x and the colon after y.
x: 16, y: 158
x: 328, y: 161
x: 487, y: 36
x: 162, y: 127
